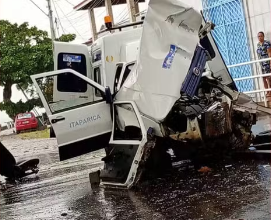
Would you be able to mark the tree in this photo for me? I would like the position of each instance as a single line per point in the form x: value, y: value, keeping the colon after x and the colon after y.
x: 12, y: 109
x: 24, y: 51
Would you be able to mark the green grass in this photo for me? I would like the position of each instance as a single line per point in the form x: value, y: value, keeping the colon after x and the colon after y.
x: 35, y: 134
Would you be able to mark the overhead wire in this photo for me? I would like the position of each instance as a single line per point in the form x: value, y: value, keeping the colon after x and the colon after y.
x: 57, y: 27
x: 72, y: 12
x: 127, y: 10
x: 77, y: 19
x: 80, y: 18
x: 69, y: 14
x: 127, y: 13
x: 69, y: 21
x: 94, y: 6
x: 82, y: 15
x: 117, y: 1
x: 123, y: 12
x: 58, y: 18
x: 69, y: 3
x: 124, y: 16
x: 39, y: 8
x: 98, y: 15
x: 86, y: 32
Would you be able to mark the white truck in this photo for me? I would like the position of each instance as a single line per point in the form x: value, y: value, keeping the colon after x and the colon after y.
x: 99, y: 62
x: 176, y: 93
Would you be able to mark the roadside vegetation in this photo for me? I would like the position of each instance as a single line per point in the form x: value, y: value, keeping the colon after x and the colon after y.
x: 25, y: 51
x: 35, y: 134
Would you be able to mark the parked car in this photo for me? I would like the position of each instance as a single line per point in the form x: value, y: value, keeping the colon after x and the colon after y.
x: 25, y: 121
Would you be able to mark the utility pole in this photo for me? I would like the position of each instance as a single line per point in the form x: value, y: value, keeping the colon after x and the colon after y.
x: 50, y: 15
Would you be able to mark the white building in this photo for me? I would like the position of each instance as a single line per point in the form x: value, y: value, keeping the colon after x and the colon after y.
x: 237, y: 25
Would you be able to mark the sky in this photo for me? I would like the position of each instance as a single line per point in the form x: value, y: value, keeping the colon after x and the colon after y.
x: 68, y: 21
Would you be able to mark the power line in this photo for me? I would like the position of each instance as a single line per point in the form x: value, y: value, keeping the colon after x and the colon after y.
x: 113, y: 2
x: 127, y: 13
x: 69, y: 21
x: 39, y: 8
x: 76, y: 18
x: 58, y: 19
x: 123, y: 15
x: 97, y: 3
x: 57, y: 27
x: 82, y: 17
x: 71, y: 13
x: 70, y: 3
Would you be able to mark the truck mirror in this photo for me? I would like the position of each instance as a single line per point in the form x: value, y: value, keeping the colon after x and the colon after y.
x: 108, y: 96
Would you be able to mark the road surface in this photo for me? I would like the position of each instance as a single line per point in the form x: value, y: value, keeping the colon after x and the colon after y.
x: 238, y: 189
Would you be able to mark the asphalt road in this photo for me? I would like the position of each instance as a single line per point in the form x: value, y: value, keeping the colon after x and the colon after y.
x: 237, y: 189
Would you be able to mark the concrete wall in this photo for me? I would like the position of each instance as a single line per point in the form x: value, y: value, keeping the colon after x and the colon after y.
x: 258, y: 17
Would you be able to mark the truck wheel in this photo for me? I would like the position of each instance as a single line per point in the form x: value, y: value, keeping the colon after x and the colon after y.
x: 158, y: 163
x: 52, y: 133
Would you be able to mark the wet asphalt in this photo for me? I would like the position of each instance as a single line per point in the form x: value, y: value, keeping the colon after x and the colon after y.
x: 235, y: 189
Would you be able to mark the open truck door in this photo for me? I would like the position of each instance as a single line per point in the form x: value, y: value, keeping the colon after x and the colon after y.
x: 81, y: 124
x: 127, y: 142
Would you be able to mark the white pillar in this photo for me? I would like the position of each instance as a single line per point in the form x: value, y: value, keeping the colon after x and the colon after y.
x: 93, y: 24
x: 136, y: 8
x: 109, y: 11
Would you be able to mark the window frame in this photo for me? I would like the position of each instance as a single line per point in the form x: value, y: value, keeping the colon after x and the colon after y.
x: 94, y: 53
x: 96, y: 91
x: 117, y: 76
x: 72, y: 107
x: 84, y: 63
x: 122, y: 78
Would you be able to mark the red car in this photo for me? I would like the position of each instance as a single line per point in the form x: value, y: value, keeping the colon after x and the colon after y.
x: 25, y: 121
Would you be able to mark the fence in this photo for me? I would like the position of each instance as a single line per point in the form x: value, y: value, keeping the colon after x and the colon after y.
x: 258, y: 80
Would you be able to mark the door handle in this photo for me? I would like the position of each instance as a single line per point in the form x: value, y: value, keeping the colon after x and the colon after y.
x: 53, y: 121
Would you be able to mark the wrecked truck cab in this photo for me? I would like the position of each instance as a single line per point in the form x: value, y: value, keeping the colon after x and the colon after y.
x: 178, y: 94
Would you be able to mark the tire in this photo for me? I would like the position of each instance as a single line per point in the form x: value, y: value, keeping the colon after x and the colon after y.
x: 52, y: 133
x: 159, y: 162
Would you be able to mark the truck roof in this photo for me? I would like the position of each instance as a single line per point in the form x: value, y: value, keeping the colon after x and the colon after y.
x: 118, y: 35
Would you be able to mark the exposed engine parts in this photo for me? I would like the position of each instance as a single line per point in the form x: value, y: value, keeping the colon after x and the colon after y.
x: 208, y: 118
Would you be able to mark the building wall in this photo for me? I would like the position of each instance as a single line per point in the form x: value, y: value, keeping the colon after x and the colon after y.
x: 258, y: 15
x: 258, y: 18
x: 231, y: 36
